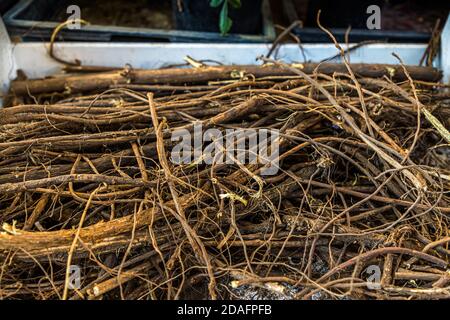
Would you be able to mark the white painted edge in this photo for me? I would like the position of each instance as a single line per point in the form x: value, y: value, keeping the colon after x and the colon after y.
x: 7, y: 63
x: 445, y: 51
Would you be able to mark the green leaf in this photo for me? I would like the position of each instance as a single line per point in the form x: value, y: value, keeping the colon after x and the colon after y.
x: 225, y: 26
x: 215, y: 3
x: 224, y: 21
x: 235, y: 3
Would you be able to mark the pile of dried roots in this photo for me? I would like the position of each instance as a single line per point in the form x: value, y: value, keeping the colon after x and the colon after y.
x: 359, y: 206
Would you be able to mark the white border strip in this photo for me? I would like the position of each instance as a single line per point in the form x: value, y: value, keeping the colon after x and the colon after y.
x: 7, y: 63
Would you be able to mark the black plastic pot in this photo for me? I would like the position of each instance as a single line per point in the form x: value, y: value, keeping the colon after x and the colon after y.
x: 341, y: 14
x: 35, y: 20
x: 5, y: 5
x: 198, y: 15
x: 338, y: 15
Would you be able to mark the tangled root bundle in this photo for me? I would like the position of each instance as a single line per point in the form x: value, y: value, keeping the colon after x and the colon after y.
x: 359, y: 207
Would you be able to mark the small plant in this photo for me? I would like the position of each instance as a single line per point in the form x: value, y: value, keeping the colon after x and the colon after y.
x: 225, y: 22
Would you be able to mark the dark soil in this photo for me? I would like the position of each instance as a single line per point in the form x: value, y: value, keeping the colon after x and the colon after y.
x: 139, y: 13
